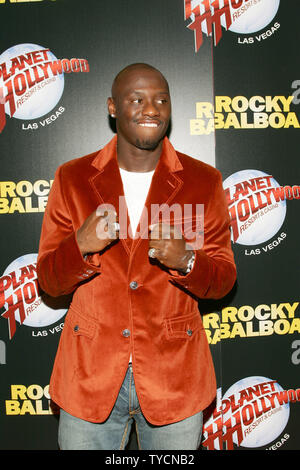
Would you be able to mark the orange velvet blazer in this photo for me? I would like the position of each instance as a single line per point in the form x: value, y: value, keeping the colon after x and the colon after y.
x: 172, y: 363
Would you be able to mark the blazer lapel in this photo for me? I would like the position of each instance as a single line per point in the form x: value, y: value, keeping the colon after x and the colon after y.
x: 108, y: 186
x: 164, y: 187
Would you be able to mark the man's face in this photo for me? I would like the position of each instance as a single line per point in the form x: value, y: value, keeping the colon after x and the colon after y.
x: 142, y: 107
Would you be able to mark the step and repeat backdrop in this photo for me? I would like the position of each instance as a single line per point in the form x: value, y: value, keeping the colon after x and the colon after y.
x: 235, y: 83
x: 57, y: 63
x: 256, y: 117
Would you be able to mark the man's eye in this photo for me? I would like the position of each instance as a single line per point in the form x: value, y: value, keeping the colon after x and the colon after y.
x: 137, y: 100
x: 162, y: 101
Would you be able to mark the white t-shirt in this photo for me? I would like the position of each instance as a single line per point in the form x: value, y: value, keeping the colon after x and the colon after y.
x: 136, y: 186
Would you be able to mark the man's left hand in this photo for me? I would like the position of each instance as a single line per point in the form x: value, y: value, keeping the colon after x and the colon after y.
x: 169, y: 246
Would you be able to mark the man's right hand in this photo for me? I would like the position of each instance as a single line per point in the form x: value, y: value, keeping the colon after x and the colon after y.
x: 98, y: 231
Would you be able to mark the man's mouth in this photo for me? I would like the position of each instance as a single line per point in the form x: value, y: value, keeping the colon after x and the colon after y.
x: 151, y: 124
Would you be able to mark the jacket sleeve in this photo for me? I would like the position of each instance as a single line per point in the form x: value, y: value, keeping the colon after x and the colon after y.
x: 214, y: 271
x: 60, y: 265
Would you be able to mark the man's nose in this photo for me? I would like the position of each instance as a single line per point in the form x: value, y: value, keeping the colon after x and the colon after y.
x: 150, y: 109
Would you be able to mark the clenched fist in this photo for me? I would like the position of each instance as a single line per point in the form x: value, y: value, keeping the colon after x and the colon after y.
x: 170, y: 247
x: 98, y: 231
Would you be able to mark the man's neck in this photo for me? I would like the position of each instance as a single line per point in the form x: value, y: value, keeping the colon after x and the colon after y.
x: 131, y: 158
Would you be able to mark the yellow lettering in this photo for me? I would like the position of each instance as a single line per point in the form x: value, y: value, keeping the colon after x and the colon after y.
x: 197, y: 127
x: 46, y: 392
x: 12, y: 407
x: 266, y: 328
x: 208, y: 336
x: 28, y: 205
x: 27, y: 407
x: 7, y: 188
x: 4, y: 207
x: 223, y: 104
x: 258, y: 312
x: 18, y: 392
x: 238, y: 330
x: 244, y: 122
x: 232, y: 121
x: 295, y: 326
x: 240, y: 104
x: 291, y: 121
x: 276, y: 311
x: 204, y: 109
x: 16, y: 205
x: 276, y: 120
x: 286, y: 102
x: 42, y: 203
x: 216, y: 337
x: 246, y: 313
x: 40, y: 410
x: 253, y: 106
x: 24, y: 188
x: 21, y: 1
x: 211, y: 320
x: 224, y: 330
x: 219, y: 121
x: 281, y: 327
x: 37, y: 188
x: 271, y: 319
x: 291, y: 309
x: 272, y: 103
x: 229, y: 314
x: 35, y: 392
x: 261, y: 120
x: 249, y: 330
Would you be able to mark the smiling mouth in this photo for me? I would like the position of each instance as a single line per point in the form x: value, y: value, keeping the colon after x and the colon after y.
x: 149, y: 124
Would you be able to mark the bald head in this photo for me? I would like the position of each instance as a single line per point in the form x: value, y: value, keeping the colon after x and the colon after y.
x: 125, y: 73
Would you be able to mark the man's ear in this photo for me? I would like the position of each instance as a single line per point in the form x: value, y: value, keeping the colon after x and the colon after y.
x: 111, y: 107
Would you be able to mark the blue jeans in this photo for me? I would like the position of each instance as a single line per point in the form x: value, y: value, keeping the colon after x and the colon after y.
x: 113, y: 434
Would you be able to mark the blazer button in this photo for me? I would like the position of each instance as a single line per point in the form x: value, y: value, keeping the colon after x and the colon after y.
x: 126, y: 333
x: 76, y: 328
x: 133, y: 285
x: 189, y: 332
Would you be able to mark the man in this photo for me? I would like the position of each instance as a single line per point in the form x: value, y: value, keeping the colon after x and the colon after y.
x: 133, y: 345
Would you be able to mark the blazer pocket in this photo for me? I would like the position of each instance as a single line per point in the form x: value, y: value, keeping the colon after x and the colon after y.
x: 183, y: 327
x: 81, y: 325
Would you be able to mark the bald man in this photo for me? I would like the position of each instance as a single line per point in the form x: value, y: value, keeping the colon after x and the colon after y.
x: 133, y: 348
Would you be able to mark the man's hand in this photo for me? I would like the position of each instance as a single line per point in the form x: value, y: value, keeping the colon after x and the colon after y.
x: 98, y: 231
x: 170, y: 247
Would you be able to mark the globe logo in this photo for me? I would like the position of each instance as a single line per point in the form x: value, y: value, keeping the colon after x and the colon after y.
x: 252, y: 413
x: 252, y: 16
x: 257, y: 206
x: 20, y: 288
x: 262, y: 415
x: 30, y: 79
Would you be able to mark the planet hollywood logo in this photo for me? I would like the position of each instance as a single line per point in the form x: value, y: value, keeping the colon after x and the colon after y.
x: 252, y: 413
x: 237, y: 16
x: 257, y: 206
x: 23, y: 302
x: 32, y: 83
